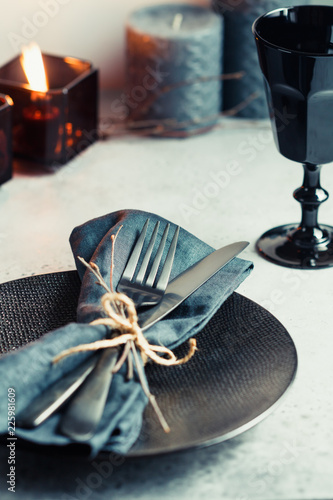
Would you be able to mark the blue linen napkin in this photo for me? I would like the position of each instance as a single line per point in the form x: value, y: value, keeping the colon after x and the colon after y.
x: 29, y: 370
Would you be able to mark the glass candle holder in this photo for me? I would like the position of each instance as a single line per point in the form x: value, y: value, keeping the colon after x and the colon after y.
x: 5, y: 138
x: 53, y: 126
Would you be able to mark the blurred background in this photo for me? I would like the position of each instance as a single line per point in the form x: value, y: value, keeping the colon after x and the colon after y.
x: 92, y: 30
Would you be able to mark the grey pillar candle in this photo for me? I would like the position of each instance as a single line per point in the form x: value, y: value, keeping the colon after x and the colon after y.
x: 240, y: 53
x: 168, y: 45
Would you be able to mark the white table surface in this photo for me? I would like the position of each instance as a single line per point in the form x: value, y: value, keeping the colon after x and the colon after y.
x: 287, y: 456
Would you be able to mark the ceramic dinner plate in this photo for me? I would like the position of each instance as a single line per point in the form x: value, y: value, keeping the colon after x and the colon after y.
x: 245, y: 362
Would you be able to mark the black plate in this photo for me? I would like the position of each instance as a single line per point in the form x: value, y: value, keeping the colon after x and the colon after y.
x: 245, y: 363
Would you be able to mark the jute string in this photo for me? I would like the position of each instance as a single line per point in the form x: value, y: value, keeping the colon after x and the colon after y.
x: 122, y: 317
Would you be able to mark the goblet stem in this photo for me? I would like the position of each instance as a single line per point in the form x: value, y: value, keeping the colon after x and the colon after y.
x: 307, y: 245
x: 310, y: 195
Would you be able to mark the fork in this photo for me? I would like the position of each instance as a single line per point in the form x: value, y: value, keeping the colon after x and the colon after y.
x: 143, y: 285
x: 140, y: 287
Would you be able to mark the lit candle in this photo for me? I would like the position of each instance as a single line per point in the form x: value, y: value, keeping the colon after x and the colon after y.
x: 5, y: 138
x: 41, y: 119
x: 55, y: 105
x: 174, y: 64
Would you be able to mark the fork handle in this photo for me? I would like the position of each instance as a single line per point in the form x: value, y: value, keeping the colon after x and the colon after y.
x: 85, y: 410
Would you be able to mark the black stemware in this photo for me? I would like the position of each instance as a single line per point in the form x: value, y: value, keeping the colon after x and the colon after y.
x: 295, y: 48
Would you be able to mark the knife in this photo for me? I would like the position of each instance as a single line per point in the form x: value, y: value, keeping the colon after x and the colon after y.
x: 179, y: 289
x: 186, y: 283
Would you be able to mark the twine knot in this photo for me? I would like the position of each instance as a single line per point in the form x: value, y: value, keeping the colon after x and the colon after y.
x: 121, y: 317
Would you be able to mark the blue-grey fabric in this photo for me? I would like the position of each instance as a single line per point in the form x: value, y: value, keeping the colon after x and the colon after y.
x: 29, y: 370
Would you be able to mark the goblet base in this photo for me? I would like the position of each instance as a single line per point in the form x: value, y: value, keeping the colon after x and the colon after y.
x: 278, y: 246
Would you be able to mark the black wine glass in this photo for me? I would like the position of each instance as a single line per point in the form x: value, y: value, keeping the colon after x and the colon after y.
x: 295, y: 48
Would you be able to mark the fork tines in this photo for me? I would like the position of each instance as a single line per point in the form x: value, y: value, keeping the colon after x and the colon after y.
x: 132, y: 264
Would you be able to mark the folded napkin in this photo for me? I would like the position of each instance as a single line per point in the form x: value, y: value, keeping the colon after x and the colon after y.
x: 29, y: 370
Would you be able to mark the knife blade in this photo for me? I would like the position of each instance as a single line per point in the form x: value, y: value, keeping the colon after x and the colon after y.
x: 178, y: 290
x: 186, y: 283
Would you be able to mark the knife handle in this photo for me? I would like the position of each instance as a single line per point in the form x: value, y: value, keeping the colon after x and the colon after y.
x: 84, y: 412
x: 49, y: 401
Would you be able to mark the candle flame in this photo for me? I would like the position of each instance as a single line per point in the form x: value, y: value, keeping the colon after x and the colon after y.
x: 33, y: 66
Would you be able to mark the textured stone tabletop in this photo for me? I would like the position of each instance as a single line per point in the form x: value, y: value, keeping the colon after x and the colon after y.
x: 226, y: 185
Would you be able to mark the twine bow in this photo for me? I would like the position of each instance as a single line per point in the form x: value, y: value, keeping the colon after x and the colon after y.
x: 122, y: 317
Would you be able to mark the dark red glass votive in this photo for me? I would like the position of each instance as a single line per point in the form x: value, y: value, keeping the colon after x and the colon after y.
x: 5, y: 138
x: 53, y: 126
